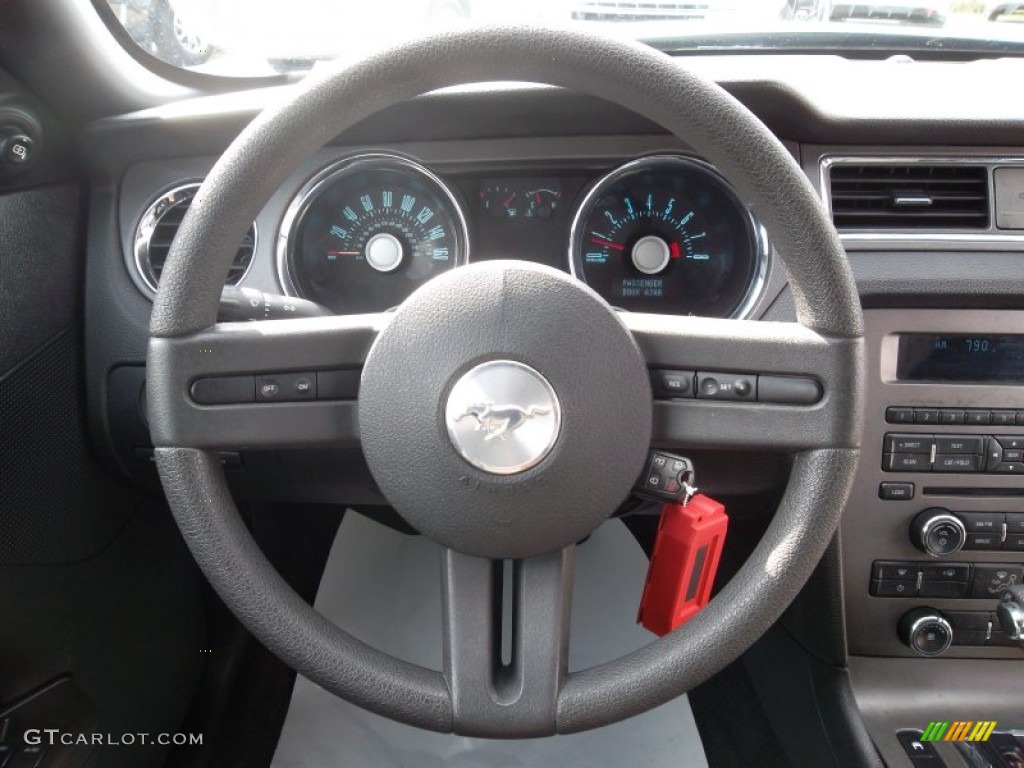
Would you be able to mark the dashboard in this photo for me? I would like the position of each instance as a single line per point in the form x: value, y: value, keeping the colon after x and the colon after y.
x: 581, y: 186
x: 662, y: 232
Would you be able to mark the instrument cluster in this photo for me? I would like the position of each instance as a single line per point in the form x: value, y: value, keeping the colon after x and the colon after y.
x: 663, y: 233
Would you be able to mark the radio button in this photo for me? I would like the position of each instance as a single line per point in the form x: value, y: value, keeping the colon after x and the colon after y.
x: 984, y: 541
x: 1020, y: 418
x: 951, y: 416
x: 959, y: 444
x: 1010, y: 442
x: 896, y: 491
x: 976, y: 418
x: 1009, y: 468
x: 1013, y: 456
x: 926, y: 416
x: 1015, y: 523
x: 994, y: 454
x: 1004, y: 418
x: 898, y: 415
x: 909, y: 444
x: 983, y: 522
x: 956, y: 463
x: 1014, y: 542
x: 906, y: 462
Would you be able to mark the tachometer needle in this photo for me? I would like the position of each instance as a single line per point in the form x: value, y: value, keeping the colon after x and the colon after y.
x: 606, y: 244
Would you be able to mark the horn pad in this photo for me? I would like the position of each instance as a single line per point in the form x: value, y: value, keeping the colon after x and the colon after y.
x: 505, y: 411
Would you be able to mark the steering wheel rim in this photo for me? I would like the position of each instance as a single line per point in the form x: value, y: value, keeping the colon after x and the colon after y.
x: 827, y: 342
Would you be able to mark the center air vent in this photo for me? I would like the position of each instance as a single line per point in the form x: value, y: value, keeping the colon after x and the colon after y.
x: 909, y: 196
x: 158, y: 227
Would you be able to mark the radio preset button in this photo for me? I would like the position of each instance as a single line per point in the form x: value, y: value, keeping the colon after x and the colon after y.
x: 899, y: 415
x: 952, y: 416
x: 926, y: 416
x: 1004, y: 418
x: 976, y: 418
x: 1011, y: 442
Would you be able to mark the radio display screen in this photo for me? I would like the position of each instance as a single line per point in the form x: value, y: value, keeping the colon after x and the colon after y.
x: 966, y: 357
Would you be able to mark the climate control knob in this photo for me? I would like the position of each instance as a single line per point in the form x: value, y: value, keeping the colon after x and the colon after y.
x: 925, y: 631
x: 938, y: 532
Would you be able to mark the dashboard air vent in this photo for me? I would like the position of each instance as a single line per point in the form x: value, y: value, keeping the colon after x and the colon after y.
x: 909, y: 196
x: 158, y: 227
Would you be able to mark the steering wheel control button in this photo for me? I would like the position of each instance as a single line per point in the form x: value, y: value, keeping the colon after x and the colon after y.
x: 338, y: 385
x: 726, y: 386
x: 286, y: 387
x: 896, y: 491
x: 926, y: 631
x: 669, y: 384
x: 788, y: 390
x: 503, y: 417
x: 224, y: 390
x: 938, y: 532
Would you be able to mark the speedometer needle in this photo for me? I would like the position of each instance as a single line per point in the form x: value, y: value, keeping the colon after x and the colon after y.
x: 606, y: 244
x: 343, y: 253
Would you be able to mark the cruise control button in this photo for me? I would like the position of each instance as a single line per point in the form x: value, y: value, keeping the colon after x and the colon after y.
x: 673, y: 383
x: 959, y: 444
x: 896, y: 491
x: 990, y: 581
x: 956, y: 463
x: 910, y: 444
x: 267, y: 389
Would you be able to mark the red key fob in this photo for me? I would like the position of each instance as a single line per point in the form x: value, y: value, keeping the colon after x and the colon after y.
x: 683, y: 564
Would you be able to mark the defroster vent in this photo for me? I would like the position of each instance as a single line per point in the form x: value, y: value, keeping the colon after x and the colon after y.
x: 158, y: 227
x: 909, y: 196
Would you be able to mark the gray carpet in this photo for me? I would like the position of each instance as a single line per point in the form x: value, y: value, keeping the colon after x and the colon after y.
x: 384, y: 588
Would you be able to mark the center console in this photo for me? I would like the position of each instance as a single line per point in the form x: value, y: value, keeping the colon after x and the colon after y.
x: 935, y: 529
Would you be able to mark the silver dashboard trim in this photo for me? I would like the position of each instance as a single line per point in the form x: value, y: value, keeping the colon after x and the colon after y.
x: 759, y: 233
x: 990, y: 235
x: 310, y: 190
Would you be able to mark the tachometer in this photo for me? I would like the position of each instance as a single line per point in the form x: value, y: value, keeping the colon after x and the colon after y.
x: 668, y: 234
x: 365, y: 233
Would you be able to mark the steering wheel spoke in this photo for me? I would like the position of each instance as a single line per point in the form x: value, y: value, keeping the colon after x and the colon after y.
x: 754, y: 348
x: 266, y: 384
x: 492, y: 696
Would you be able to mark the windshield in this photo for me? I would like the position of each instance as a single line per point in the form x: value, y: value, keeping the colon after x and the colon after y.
x: 267, y: 37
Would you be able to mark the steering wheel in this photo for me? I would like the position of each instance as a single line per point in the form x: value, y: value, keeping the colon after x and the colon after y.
x: 548, y: 346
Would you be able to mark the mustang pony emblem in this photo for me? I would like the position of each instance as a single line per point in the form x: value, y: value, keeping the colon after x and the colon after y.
x: 498, y: 421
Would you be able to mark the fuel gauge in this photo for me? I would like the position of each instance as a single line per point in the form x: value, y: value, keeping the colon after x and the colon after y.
x: 501, y: 201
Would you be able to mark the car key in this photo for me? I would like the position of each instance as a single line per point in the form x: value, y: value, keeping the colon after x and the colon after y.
x: 666, y: 477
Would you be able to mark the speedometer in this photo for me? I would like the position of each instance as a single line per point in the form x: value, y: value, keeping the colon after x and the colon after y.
x: 365, y: 233
x: 668, y: 234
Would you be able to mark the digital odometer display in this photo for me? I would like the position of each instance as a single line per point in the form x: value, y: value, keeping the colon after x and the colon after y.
x: 364, y: 234
x: 667, y: 234
x: 963, y: 357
